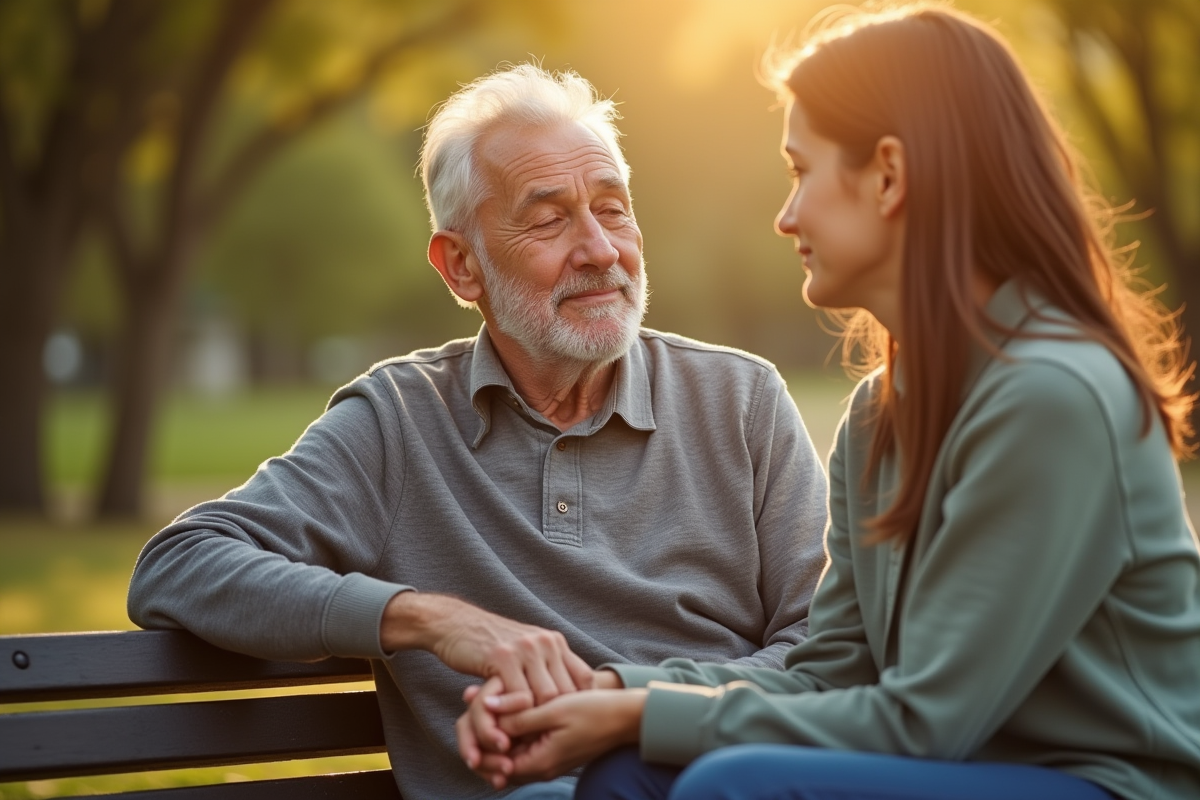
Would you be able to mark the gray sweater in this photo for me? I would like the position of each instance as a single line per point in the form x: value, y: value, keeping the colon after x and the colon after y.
x: 684, y: 518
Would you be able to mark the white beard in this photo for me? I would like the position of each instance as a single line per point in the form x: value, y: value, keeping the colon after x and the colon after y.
x: 533, y: 320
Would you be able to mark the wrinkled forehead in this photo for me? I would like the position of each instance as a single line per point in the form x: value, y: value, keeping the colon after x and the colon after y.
x: 523, y: 163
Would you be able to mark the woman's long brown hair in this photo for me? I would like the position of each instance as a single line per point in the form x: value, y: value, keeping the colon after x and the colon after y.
x: 992, y: 188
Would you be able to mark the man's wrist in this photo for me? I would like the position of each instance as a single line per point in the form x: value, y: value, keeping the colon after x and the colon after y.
x: 412, y: 620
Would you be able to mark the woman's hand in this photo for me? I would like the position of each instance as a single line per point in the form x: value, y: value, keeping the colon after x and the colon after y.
x: 483, y: 745
x: 569, y: 731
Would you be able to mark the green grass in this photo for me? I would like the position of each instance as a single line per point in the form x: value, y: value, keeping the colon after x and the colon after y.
x: 201, y: 447
x: 196, y: 438
x: 55, y: 578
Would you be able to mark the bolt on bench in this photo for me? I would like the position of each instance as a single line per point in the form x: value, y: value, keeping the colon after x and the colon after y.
x: 41, y: 744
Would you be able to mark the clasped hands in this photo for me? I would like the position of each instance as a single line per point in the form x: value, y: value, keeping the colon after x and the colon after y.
x: 520, y: 736
x: 541, y: 711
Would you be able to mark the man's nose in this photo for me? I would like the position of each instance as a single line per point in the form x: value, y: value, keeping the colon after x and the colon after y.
x: 593, y: 248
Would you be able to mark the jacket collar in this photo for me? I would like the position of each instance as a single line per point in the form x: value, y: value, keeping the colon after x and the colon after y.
x: 1010, y: 307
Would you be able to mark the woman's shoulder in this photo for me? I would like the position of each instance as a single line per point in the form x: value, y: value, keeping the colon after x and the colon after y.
x: 866, y: 392
x: 1051, y: 382
x: 1052, y: 360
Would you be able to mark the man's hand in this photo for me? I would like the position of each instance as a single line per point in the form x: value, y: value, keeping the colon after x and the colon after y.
x: 569, y: 731
x: 481, y: 742
x: 477, y: 642
x: 482, y: 745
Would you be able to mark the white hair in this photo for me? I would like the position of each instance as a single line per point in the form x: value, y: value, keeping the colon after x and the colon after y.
x: 524, y: 94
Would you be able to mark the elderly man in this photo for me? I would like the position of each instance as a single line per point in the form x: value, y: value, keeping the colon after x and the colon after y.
x: 563, y: 490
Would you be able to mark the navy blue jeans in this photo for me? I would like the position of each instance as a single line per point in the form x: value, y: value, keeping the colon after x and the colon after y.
x: 787, y: 772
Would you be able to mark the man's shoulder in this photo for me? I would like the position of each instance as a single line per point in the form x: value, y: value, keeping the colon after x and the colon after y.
x: 456, y: 349
x: 434, y: 372
x: 671, y: 346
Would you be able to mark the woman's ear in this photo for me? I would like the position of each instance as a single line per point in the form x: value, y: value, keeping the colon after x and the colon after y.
x: 892, y: 185
x: 451, y: 255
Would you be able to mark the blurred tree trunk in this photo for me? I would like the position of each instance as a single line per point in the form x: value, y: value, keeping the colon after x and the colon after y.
x: 152, y: 283
x: 144, y: 350
x: 1130, y: 32
x: 32, y: 262
x: 45, y: 192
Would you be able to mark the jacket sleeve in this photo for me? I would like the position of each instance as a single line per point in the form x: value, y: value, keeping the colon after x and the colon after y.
x: 277, y: 567
x: 1028, y: 545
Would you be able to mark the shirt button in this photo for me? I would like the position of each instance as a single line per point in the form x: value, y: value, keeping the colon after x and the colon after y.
x: 562, y: 507
x: 562, y: 445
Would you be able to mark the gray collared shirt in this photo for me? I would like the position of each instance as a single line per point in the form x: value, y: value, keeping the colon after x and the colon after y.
x: 684, y: 518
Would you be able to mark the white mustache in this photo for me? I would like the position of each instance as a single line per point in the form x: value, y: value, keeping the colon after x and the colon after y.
x: 586, y: 282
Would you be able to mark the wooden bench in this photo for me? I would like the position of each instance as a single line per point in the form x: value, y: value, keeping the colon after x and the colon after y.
x: 42, y: 744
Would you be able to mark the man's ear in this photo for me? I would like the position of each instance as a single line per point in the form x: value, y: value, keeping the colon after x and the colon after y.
x: 892, y: 185
x: 451, y: 255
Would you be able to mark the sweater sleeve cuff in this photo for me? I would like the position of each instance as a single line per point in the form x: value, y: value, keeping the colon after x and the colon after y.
x: 636, y: 676
x: 352, y: 619
x: 671, y: 722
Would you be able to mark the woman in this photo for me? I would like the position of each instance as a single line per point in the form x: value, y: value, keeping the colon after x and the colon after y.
x: 1012, y: 603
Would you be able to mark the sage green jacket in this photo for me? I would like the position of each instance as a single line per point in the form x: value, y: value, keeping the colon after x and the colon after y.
x: 1047, y: 611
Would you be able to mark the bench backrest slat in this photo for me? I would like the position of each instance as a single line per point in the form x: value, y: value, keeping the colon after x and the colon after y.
x: 39, y: 743
x: 133, y: 738
x: 92, y: 665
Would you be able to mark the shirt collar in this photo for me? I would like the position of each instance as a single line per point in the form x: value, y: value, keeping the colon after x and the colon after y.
x: 486, y: 372
x: 629, y: 397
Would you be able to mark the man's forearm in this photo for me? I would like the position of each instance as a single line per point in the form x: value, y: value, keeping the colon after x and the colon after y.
x: 477, y: 642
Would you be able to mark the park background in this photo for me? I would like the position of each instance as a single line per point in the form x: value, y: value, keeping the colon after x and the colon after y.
x: 211, y: 218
